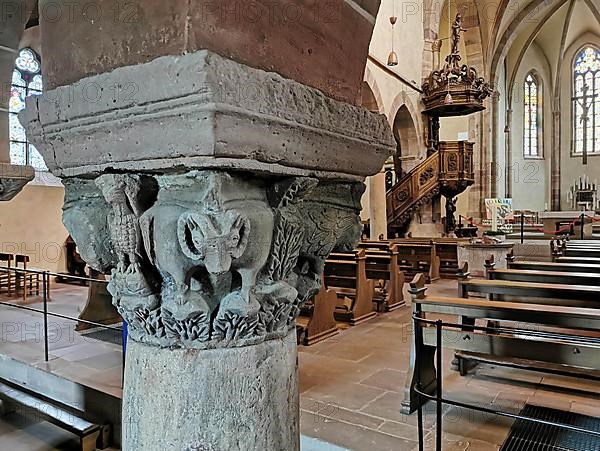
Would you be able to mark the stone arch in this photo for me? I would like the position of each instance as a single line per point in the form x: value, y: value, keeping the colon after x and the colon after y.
x: 405, y: 126
x: 541, y: 10
x: 371, y: 93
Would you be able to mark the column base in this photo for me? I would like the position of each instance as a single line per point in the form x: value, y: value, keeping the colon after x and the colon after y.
x: 217, y: 399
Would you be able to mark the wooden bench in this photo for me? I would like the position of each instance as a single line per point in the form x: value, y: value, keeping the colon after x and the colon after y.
x: 348, y: 277
x: 554, y: 266
x: 446, y: 250
x: 91, y: 436
x: 581, y: 252
x: 316, y: 322
x: 548, y: 277
x: 383, y: 267
x: 545, y: 293
x: 574, y: 249
x: 577, y: 260
x: 547, y: 349
x: 416, y: 258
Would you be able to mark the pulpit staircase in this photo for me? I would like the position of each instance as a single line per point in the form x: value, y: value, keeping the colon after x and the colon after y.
x: 447, y: 171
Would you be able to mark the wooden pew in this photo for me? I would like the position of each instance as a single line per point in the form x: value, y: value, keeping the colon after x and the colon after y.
x: 554, y: 266
x: 543, y: 351
x: 348, y: 277
x: 446, y: 250
x: 581, y: 252
x: 577, y: 260
x: 383, y: 267
x: 550, y: 277
x: 316, y: 322
x: 418, y: 258
x: 544, y: 293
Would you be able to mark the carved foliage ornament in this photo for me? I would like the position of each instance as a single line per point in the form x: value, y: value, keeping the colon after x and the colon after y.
x: 208, y: 259
x: 426, y: 176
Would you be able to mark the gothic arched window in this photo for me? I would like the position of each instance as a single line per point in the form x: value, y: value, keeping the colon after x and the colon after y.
x: 532, y: 131
x: 586, y: 101
x: 26, y: 81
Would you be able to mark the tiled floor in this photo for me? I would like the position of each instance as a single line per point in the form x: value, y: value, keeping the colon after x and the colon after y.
x: 351, y: 385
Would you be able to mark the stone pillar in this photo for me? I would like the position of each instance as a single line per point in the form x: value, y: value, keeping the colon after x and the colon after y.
x: 377, y: 206
x: 555, y: 163
x: 508, y: 165
x: 214, y: 208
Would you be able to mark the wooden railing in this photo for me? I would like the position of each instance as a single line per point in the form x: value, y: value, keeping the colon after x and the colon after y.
x: 448, y: 171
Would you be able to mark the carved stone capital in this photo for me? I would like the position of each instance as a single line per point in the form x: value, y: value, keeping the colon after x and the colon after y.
x: 12, y: 179
x: 212, y: 194
x: 210, y: 258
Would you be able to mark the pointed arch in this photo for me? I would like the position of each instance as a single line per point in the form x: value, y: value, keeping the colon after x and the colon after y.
x: 585, y: 73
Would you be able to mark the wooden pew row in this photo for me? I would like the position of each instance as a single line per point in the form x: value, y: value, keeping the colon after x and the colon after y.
x: 413, y: 258
x: 548, y: 277
x: 318, y: 317
x: 544, y: 293
x: 554, y: 266
x: 316, y: 322
x: 346, y: 295
x: 446, y: 250
x: 442, y: 261
x: 383, y: 268
x: 577, y: 260
x: 574, y: 276
x: 347, y: 276
x: 543, y: 351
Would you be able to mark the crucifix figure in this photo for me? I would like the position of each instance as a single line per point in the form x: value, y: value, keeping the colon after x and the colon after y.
x: 585, y: 110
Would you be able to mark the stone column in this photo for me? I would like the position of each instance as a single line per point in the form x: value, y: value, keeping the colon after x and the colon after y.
x: 377, y: 206
x: 555, y: 163
x: 213, y: 196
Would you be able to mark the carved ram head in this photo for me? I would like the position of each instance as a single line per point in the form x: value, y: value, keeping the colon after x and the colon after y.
x: 216, y: 239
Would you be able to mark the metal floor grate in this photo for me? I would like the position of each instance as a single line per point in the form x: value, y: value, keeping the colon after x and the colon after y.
x: 527, y: 436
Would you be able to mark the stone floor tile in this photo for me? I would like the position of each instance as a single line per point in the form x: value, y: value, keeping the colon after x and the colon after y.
x: 353, y: 437
x: 350, y: 396
x: 386, y: 379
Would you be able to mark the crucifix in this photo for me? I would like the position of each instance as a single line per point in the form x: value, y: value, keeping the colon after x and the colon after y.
x: 585, y: 109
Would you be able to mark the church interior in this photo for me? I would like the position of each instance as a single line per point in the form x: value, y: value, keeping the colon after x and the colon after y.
x: 287, y: 225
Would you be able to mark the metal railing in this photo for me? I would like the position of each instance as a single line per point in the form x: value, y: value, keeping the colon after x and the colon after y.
x: 438, y: 397
x: 45, y: 295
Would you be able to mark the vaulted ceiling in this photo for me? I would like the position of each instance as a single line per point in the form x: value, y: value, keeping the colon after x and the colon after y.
x: 551, y: 25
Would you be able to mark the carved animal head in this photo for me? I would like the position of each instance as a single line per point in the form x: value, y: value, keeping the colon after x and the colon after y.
x: 216, y: 239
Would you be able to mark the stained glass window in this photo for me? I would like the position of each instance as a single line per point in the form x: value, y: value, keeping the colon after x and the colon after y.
x: 586, y: 101
x: 26, y: 81
x: 531, y: 145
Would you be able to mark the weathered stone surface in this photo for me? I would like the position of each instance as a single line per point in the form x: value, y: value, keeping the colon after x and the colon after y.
x: 13, y: 179
x: 212, y: 400
x: 213, y: 211
x: 210, y: 259
x: 199, y: 111
x: 321, y: 43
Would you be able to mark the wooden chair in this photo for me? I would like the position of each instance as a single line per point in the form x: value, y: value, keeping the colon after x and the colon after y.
x: 7, y: 278
x: 27, y: 283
